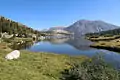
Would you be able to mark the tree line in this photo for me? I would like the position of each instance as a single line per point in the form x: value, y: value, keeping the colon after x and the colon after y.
x: 105, y: 33
x: 12, y: 27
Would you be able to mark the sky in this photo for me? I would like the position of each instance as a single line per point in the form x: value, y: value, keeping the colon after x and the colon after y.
x: 43, y: 14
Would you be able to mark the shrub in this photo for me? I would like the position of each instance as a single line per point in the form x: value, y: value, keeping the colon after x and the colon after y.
x: 91, y: 69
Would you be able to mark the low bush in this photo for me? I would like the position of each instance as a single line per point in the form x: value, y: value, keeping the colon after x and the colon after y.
x: 91, y: 69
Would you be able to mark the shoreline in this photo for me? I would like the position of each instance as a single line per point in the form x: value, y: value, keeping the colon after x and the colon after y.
x: 115, y: 49
x: 107, y: 43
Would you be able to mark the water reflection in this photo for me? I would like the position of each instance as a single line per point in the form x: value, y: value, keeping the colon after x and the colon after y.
x: 80, y: 43
x: 58, y: 41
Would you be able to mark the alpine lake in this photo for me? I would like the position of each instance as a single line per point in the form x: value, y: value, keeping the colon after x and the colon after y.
x: 72, y: 47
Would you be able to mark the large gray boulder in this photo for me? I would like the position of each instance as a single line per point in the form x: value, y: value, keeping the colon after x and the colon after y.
x: 13, y: 55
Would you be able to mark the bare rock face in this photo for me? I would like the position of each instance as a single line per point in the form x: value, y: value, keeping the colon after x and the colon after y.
x: 13, y: 55
x: 83, y: 27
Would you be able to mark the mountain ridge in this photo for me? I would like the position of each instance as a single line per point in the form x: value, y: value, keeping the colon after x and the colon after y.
x: 82, y: 27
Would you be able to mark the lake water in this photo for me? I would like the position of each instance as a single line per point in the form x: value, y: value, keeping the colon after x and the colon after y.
x: 74, y: 47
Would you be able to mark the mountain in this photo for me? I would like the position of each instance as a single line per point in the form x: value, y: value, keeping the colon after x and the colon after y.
x: 57, y: 28
x: 83, y: 27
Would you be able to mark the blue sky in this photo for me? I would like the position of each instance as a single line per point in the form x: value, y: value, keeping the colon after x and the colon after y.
x: 42, y: 14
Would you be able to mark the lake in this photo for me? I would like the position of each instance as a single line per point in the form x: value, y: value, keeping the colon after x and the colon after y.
x: 74, y: 47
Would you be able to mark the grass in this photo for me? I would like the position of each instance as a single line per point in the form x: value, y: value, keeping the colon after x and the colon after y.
x: 17, y: 43
x: 17, y: 39
x: 109, y: 43
x: 4, y: 46
x: 35, y: 66
x: 23, y: 39
x: 113, y: 45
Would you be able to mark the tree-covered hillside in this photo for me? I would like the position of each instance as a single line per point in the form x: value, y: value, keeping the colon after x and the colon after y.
x: 12, y: 27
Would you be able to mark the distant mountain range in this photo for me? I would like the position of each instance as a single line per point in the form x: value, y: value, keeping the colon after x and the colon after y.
x: 83, y: 27
x: 79, y: 28
x: 57, y: 28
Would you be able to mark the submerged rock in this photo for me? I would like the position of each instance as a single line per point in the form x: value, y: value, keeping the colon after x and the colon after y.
x: 13, y: 55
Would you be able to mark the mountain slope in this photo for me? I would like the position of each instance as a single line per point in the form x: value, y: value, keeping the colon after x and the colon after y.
x: 82, y: 27
x: 13, y: 27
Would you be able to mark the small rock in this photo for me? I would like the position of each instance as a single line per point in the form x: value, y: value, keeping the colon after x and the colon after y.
x: 13, y: 55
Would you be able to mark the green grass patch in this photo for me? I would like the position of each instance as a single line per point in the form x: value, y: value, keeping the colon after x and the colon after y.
x: 35, y: 66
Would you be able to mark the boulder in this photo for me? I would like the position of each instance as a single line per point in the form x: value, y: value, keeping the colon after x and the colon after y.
x: 13, y: 55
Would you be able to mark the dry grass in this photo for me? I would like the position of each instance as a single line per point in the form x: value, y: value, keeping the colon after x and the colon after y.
x: 110, y: 43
